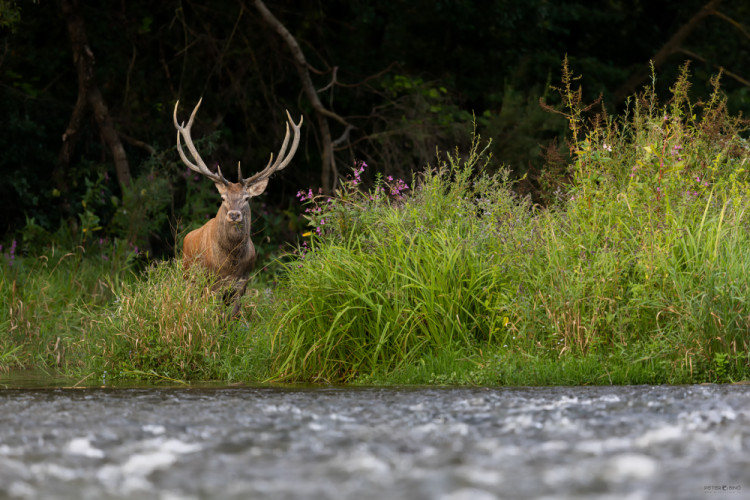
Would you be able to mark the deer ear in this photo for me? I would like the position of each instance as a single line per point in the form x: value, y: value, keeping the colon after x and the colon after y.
x: 221, y: 188
x: 257, y: 188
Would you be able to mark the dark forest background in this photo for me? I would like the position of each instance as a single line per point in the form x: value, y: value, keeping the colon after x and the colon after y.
x: 87, y: 91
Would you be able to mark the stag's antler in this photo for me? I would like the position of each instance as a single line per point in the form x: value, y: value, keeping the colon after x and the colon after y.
x: 184, y: 131
x: 273, y: 166
x: 284, y: 157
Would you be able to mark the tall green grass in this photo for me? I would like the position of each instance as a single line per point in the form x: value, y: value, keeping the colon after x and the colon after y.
x: 646, y: 254
x: 98, y: 318
x: 396, y: 278
x: 636, y: 272
x: 41, y: 300
x: 168, y: 325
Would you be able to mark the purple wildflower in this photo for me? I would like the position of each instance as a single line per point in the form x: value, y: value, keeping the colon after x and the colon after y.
x: 12, y: 252
x: 305, y: 196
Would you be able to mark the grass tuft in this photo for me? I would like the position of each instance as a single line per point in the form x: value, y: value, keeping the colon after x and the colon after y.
x: 170, y: 325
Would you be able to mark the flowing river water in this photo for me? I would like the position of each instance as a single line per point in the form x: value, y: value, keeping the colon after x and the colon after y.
x: 638, y: 442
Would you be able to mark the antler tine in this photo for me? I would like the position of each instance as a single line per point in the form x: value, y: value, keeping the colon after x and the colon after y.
x: 184, y: 131
x: 284, y: 157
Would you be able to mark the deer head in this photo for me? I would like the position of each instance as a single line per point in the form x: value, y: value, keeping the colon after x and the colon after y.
x: 235, y: 195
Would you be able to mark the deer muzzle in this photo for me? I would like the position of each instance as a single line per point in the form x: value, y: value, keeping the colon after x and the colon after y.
x: 234, y: 216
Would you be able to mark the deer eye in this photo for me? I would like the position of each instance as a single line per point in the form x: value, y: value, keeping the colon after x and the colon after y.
x: 247, y: 199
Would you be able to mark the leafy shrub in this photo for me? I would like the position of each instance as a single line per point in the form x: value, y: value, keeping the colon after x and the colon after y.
x: 646, y: 252
x: 389, y: 278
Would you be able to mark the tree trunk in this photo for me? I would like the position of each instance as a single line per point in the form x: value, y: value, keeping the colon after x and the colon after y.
x: 107, y: 128
x: 77, y: 34
x: 88, y: 94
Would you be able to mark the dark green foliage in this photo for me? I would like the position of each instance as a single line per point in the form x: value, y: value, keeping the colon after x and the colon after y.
x: 446, y: 61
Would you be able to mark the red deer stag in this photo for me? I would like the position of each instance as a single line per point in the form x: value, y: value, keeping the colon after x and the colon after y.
x: 223, y: 245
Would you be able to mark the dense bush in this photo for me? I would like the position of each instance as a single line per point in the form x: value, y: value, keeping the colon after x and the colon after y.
x: 640, y: 263
x: 635, y: 272
x: 389, y: 277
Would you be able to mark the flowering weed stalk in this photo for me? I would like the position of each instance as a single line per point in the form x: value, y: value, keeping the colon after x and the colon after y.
x: 329, y: 214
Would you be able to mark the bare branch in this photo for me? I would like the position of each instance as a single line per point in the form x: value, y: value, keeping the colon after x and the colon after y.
x: 731, y: 21
x: 328, y: 177
x: 734, y: 76
x: 88, y: 94
x: 332, y: 82
x: 137, y: 142
x: 344, y: 137
x: 371, y: 77
x: 670, y: 47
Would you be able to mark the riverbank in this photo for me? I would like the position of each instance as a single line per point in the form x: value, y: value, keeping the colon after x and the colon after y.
x: 635, y: 272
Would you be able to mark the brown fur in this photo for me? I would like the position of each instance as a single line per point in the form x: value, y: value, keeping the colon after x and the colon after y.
x: 223, y: 245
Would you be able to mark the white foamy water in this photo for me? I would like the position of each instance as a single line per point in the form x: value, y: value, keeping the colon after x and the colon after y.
x: 453, y: 444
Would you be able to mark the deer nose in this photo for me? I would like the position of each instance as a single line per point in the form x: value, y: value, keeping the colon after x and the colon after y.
x: 234, y: 216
